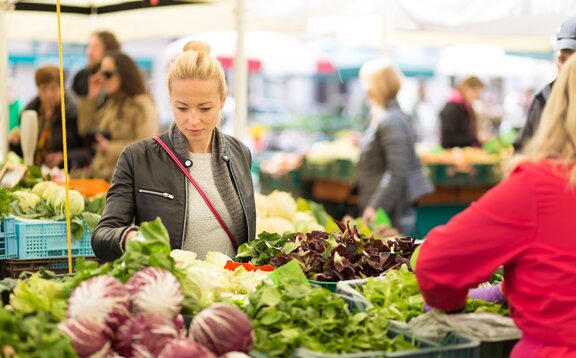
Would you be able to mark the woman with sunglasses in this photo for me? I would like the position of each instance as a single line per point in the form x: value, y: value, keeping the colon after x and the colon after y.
x: 194, y: 177
x: 128, y: 115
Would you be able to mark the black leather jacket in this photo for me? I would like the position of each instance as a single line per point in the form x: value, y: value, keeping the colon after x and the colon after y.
x: 146, y: 166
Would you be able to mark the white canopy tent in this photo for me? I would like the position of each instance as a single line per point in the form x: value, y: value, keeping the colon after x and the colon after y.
x: 526, y: 25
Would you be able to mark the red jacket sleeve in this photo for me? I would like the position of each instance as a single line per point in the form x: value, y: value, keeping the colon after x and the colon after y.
x: 466, y: 251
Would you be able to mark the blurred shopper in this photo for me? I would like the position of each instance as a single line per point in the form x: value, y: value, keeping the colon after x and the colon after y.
x: 194, y: 177
x: 99, y: 44
x: 128, y: 115
x: 391, y: 175
x: 565, y: 47
x: 457, y: 118
x: 48, y: 106
x: 525, y: 224
x: 425, y: 118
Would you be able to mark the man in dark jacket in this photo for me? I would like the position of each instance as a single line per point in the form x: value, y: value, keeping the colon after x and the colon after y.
x: 565, y: 47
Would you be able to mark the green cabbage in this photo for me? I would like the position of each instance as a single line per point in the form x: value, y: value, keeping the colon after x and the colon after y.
x: 26, y: 200
x: 282, y: 205
x: 76, y: 202
x: 41, y: 187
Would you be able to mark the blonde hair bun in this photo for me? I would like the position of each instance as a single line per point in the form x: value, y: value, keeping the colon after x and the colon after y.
x: 198, y: 46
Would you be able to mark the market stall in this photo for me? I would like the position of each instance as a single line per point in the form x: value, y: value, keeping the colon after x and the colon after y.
x: 162, y: 303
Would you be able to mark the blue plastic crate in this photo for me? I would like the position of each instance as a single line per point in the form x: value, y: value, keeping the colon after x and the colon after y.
x: 7, y: 238
x: 47, y: 239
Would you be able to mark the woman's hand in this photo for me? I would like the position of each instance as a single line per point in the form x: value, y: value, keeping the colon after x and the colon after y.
x: 102, y: 143
x: 95, y: 85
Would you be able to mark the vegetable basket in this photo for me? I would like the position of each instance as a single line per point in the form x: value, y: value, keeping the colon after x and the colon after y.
x: 8, y: 238
x: 453, y: 346
x: 47, y: 239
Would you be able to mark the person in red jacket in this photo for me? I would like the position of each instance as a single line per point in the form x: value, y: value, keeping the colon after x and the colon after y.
x: 526, y: 224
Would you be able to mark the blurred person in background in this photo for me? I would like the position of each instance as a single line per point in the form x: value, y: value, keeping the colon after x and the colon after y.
x: 425, y: 117
x: 48, y: 106
x: 565, y: 47
x: 391, y: 173
x: 128, y: 115
x: 99, y: 44
x: 526, y: 224
x: 194, y: 177
x: 457, y: 118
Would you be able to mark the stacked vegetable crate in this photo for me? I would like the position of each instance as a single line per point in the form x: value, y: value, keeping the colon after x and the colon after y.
x: 338, y: 169
x: 41, y: 243
x: 290, y: 182
x: 476, y: 175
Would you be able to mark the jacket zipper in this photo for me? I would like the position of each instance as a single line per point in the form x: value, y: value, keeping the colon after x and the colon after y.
x: 157, y: 193
x: 239, y: 195
x: 185, y: 212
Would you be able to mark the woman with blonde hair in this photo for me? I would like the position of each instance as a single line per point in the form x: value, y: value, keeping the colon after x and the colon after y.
x: 391, y: 174
x: 195, y: 178
x: 525, y: 224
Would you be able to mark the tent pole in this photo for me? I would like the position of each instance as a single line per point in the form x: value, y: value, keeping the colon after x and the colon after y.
x: 240, y: 74
x: 4, y: 105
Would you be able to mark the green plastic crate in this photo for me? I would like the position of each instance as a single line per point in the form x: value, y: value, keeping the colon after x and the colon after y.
x: 453, y: 346
x: 290, y: 182
x: 497, y: 348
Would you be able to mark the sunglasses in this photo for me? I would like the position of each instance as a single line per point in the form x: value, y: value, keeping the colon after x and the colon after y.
x: 108, y: 74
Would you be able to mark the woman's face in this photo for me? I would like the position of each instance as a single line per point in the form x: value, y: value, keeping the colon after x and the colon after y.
x: 49, y: 94
x: 112, y: 79
x: 196, y: 106
x: 95, y: 51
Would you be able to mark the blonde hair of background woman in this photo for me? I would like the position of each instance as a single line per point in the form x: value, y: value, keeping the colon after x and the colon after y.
x: 555, y: 137
x: 381, y: 80
x: 196, y: 63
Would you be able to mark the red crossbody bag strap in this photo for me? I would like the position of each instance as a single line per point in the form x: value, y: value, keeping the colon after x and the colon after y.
x: 200, y: 191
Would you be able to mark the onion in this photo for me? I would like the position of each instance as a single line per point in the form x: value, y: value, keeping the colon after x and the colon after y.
x: 157, y: 291
x: 144, y: 335
x: 89, y: 338
x: 223, y: 328
x: 102, y: 299
x: 185, y: 348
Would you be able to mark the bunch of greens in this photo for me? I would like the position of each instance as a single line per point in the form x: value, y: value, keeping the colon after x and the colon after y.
x: 346, y: 255
x: 260, y: 251
x: 151, y: 247
x: 288, y: 313
x: 396, y: 296
x: 33, y: 335
x: 478, y: 306
x: 37, y: 294
x: 95, y: 204
x: 5, y: 199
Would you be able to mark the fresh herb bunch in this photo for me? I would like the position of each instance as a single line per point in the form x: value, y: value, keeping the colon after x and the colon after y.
x: 290, y: 313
